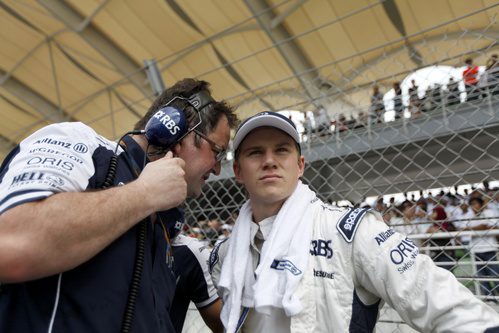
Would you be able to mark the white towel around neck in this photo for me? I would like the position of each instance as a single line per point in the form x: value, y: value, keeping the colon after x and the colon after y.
x: 288, y: 242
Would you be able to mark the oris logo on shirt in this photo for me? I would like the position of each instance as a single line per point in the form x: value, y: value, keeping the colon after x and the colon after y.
x: 404, y: 255
x: 51, y: 162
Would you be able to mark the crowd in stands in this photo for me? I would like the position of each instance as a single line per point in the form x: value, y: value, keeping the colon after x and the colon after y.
x: 477, y: 87
x: 477, y: 210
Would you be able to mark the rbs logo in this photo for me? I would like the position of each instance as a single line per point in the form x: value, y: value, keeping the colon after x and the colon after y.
x: 320, y: 247
x: 167, y: 121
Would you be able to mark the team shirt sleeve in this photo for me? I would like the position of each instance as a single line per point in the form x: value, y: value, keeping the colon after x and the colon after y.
x: 202, y: 289
x: 430, y: 299
x: 56, y: 158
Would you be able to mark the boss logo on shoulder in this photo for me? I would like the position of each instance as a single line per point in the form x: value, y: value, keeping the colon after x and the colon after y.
x: 348, y: 224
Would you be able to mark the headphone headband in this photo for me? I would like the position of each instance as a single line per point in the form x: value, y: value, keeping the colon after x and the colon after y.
x: 200, y: 99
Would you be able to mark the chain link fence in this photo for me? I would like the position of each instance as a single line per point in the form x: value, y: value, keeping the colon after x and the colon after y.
x: 427, y: 159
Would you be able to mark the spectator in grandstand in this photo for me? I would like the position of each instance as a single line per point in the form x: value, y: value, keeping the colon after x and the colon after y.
x: 296, y: 264
x: 72, y: 224
x: 380, y: 205
x: 436, y: 96
x: 361, y: 120
x: 494, y: 200
x: 421, y: 218
x: 453, y: 93
x: 463, y: 217
x: 323, y: 123
x: 194, y: 284
x: 226, y: 229
x: 470, y: 78
x: 414, y: 101
x: 486, y: 185
x: 466, y: 194
x: 441, y: 224
x: 213, y: 230
x: 307, y: 127
x: 492, y: 70
x: 484, y: 246
x: 231, y: 220
x: 377, y: 108
x: 447, y: 202
x: 407, y: 211
x: 398, y: 106
x: 341, y: 123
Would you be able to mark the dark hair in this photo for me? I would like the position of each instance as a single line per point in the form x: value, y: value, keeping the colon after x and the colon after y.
x: 477, y: 199
x: 210, y: 114
x: 468, y: 61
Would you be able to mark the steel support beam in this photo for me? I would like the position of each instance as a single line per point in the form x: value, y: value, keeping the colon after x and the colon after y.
x: 290, y: 51
x: 123, y: 63
x: 44, y: 107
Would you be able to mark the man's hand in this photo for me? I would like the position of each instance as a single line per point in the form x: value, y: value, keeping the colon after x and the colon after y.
x: 162, y: 183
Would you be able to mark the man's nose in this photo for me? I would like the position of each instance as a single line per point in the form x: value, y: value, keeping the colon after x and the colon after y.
x: 269, y: 158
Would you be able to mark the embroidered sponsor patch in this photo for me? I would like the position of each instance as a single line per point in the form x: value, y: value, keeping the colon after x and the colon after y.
x: 281, y: 265
x: 403, y: 256
x: 383, y: 236
x: 323, y: 274
x: 348, y: 224
x: 214, y: 255
x: 321, y: 248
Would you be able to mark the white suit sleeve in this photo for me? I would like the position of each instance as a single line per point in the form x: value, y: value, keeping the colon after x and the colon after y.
x: 56, y: 158
x: 428, y: 298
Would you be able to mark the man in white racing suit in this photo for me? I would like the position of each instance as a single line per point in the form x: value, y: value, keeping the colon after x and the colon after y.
x: 296, y: 264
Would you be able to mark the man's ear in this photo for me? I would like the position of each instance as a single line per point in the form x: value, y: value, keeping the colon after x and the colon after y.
x: 237, y: 172
x: 176, y: 149
x: 301, y: 166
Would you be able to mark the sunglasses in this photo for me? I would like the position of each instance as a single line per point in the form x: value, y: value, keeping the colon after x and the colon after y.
x: 219, y: 151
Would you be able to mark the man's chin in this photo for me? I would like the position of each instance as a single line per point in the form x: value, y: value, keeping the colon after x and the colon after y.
x: 194, y: 193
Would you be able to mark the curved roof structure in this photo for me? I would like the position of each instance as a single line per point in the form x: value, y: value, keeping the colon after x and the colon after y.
x: 85, y: 60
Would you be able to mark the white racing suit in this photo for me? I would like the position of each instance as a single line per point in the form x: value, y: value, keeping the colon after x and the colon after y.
x: 357, y: 263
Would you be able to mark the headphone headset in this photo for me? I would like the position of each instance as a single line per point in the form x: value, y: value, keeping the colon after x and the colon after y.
x: 169, y: 124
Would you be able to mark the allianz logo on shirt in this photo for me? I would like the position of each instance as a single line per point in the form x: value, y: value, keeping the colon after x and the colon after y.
x: 78, y: 147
